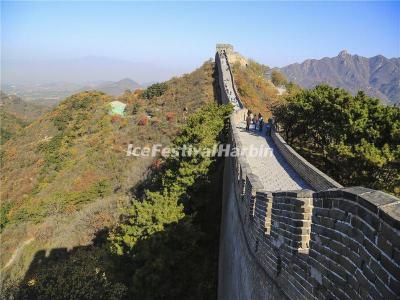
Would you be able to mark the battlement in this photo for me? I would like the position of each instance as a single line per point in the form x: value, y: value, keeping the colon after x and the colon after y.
x: 327, y: 242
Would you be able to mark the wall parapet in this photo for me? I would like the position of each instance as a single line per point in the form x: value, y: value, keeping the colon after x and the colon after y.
x: 312, y: 175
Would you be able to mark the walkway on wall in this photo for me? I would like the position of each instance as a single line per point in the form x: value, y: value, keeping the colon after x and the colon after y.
x: 274, y: 172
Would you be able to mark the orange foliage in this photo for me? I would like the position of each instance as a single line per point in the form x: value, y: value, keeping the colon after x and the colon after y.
x: 115, y: 119
x: 170, y: 116
x: 85, y: 180
x: 257, y: 93
x: 137, y: 92
x: 143, y: 121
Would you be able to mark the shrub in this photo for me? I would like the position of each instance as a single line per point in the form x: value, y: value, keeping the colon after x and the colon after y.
x: 143, y: 121
x: 115, y: 119
x: 170, y: 116
x: 155, y: 90
x: 4, y: 209
x: 135, y: 108
x: 278, y: 78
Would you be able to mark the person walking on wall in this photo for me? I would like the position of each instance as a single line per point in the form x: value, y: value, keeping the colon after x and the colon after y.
x: 260, y: 122
x: 248, y: 120
x: 255, y: 121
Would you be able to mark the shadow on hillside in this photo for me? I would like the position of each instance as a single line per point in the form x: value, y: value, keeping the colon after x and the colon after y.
x: 180, y: 262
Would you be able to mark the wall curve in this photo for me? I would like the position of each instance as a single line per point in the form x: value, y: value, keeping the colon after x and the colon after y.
x: 316, y: 178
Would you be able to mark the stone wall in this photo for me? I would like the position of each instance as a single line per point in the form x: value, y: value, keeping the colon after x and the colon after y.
x: 337, y: 243
x: 316, y: 178
x: 342, y: 243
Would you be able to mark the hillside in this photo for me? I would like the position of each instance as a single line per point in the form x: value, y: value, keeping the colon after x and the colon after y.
x: 16, y: 114
x: 378, y: 76
x: 23, y: 110
x: 118, y: 87
x: 10, y: 126
x: 65, y: 177
x: 257, y: 93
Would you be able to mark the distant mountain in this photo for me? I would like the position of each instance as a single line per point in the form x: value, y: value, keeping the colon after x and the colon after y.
x: 378, y: 76
x: 115, y: 88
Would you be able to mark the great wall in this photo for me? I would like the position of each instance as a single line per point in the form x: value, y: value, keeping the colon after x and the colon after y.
x: 289, y: 231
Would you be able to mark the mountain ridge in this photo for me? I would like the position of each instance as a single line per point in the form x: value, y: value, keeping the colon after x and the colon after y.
x: 115, y: 88
x: 378, y: 76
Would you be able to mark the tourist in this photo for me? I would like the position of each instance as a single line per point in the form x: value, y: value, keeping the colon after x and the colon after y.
x: 260, y: 122
x: 255, y: 121
x: 248, y: 120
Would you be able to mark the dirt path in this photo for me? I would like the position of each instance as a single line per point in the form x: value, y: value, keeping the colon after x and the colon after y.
x: 18, y: 251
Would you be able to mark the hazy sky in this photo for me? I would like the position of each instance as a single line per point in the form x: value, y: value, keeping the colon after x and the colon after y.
x: 175, y: 37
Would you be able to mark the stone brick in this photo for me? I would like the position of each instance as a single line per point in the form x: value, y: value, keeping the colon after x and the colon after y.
x: 372, y: 248
x: 385, y: 246
x: 351, y: 193
x: 347, y: 264
x: 384, y: 290
x: 343, y: 227
x: 391, y: 215
x: 368, y: 217
x: 337, y: 214
x: 390, y: 234
x: 348, y: 206
x: 390, y: 266
x: 374, y: 199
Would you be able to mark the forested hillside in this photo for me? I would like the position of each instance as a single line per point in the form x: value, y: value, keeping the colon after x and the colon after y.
x: 67, y: 175
x: 10, y: 126
x: 16, y: 114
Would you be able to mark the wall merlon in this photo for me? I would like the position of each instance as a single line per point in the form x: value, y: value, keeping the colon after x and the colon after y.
x: 255, y: 183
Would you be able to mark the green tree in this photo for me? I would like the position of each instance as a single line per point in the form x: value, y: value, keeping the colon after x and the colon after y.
x: 154, y: 90
x: 355, y: 139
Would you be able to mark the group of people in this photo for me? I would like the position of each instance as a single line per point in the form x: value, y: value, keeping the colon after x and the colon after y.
x: 257, y: 120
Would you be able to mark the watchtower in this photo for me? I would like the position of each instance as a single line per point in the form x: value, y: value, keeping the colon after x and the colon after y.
x: 228, y: 48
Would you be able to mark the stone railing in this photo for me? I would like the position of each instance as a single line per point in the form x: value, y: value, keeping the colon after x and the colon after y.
x: 336, y: 243
x: 316, y: 178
